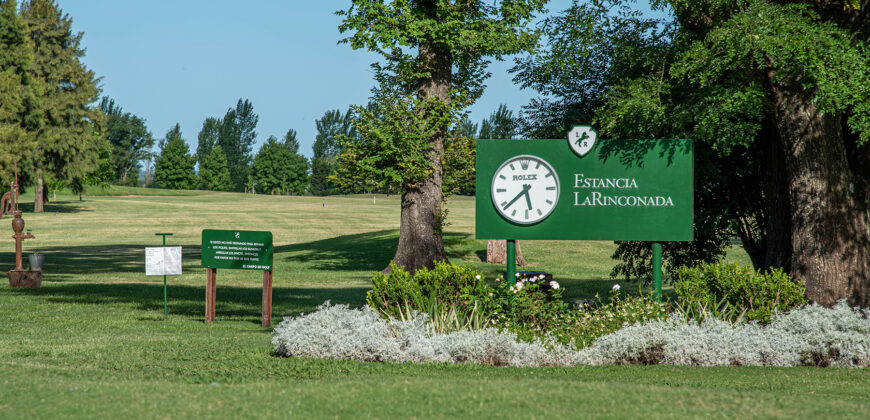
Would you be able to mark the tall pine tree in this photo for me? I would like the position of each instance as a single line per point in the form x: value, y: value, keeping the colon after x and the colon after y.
x: 20, y: 116
x: 174, y: 166
x: 66, y: 148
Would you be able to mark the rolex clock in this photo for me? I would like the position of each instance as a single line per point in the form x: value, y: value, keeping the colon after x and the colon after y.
x: 525, y: 189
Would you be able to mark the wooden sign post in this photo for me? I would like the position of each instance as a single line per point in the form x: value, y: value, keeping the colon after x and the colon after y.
x: 237, y: 249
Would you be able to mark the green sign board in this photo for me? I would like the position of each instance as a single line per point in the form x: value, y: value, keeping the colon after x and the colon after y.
x: 638, y: 190
x: 238, y: 249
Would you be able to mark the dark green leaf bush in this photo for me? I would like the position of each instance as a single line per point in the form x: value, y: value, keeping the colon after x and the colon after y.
x: 454, y: 297
x: 458, y: 298
x: 732, y: 292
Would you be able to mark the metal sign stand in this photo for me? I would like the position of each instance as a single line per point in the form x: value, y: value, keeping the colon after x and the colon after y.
x: 165, y: 305
x: 511, y: 271
x: 657, y: 270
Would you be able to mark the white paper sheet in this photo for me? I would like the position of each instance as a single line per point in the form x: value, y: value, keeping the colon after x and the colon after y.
x: 160, y: 261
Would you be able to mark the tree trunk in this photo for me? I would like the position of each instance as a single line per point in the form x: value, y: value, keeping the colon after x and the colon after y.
x: 777, y: 252
x: 39, y: 194
x: 420, y: 241
x: 147, y: 173
x: 829, y: 227
x: 496, y: 252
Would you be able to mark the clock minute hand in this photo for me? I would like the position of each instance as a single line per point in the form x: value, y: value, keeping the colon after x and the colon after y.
x: 524, y: 191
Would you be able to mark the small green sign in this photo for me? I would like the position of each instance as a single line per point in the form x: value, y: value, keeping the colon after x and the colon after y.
x: 638, y: 190
x: 237, y: 249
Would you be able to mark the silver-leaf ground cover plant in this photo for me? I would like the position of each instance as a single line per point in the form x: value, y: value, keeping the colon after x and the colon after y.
x: 809, y: 336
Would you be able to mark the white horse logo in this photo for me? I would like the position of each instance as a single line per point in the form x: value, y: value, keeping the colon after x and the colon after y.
x: 582, y: 139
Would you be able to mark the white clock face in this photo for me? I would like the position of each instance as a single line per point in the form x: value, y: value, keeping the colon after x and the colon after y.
x: 525, y: 189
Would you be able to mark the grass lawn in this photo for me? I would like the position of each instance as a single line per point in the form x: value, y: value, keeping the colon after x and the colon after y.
x: 93, y: 343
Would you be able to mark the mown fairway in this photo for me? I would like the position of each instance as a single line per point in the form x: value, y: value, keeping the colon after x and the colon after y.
x: 93, y: 343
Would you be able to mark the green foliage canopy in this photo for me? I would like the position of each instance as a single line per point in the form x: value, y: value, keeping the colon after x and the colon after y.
x: 130, y: 140
x: 278, y: 170
x: 401, y: 139
x: 66, y: 147
x: 20, y: 115
x: 207, y: 138
x: 237, y: 135
x: 213, y: 172
x: 174, y: 168
x: 330, y: 129
x: 501, y: 124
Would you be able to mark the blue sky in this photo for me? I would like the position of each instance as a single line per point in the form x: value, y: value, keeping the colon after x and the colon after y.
x: 181, y: 61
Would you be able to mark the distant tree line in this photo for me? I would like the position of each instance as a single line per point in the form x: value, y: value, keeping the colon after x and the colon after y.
x: 223, y: 160
x: 62, y: 133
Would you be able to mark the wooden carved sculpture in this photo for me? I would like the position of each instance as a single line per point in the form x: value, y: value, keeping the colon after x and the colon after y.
x: 9, y: 201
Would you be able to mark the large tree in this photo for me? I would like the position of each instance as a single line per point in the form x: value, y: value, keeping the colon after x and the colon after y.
x: 330, y: 128
x: 803, y: 67
x: 775, y: 95
x: 207, y: 138
x: 604, y: 51
x: 501, y: 124
x: 20, y: 116
x: 435, y: 58
x: 130, y: 139
x: 279, y: 170
x: 236, y: 137
x: 291, y: 141
x: 66, y: 147
x: 213, y: 172
x: 174, y: 168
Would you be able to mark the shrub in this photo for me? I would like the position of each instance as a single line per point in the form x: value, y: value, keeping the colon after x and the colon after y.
x: 604, y: 317
x: 535, y: 309
x: 809, y: 336
x: 338, y: 332
x: 731, y: 292
x: 531, y: 307
x: 454, y: 297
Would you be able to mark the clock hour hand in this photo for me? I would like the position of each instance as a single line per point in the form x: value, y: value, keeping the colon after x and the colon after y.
x: 528, y: 199
x: 524, y: 191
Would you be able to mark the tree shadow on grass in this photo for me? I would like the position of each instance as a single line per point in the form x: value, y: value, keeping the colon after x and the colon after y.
x: 370, y: 251
x: 189, y: 301
x: 65, y: 263
x: 52, y: 207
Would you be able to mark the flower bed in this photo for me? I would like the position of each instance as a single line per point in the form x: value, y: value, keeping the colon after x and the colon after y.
x: 809, y: 336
